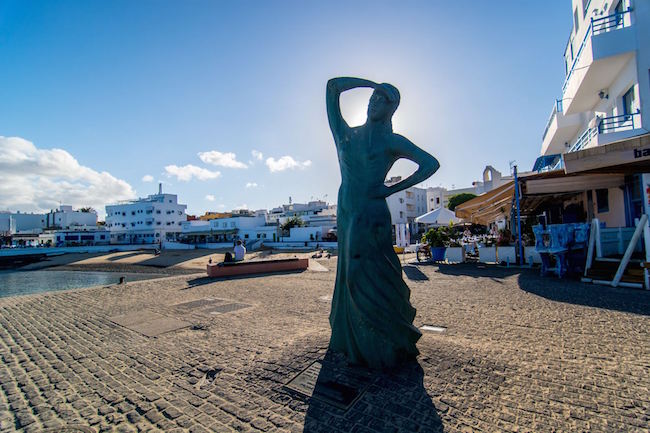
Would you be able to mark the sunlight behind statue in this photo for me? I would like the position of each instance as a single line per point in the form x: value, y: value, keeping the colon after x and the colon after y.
x: 371, y: 317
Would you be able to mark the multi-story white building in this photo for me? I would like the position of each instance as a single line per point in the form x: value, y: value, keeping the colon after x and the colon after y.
x: 606, y: 92
x: 406, y: 205
x: 314, y: 213
x: 65, y: 217
x: 153, y: 219
x: 605, y: 99
x: 14, y: 223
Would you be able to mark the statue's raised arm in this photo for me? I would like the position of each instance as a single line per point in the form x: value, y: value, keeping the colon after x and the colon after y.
x: 335, y: 87
x: 402, y: 147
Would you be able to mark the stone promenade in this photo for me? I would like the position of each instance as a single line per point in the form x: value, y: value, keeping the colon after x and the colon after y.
x: 520, y: 353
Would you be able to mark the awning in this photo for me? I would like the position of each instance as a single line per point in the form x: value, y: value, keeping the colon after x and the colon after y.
x: 628, y: 156
x: 488, y: 207
x: 562, y: 183
x: 440, y: 217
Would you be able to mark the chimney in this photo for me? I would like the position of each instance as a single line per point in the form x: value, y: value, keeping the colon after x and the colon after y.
x: 160, y: 188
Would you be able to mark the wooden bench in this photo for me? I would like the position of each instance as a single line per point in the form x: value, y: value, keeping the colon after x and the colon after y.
x: 256, y: 267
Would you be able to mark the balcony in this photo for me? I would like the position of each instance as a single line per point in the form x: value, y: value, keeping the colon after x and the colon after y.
x: 609, y: 43
x: 609, y: 130
x: 560, y: 128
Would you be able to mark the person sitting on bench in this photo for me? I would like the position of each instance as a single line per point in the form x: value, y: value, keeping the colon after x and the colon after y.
x: 240, y: 251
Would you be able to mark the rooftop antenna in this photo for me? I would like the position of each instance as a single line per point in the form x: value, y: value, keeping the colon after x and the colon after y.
x: 159, y: 188
x: 512, y: 164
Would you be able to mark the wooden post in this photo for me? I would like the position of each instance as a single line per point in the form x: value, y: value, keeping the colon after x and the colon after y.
x: 630, y: 249
x: 599, y: 248
x: 590, y: 247
x: 620, y: 240
x: 646, y: 241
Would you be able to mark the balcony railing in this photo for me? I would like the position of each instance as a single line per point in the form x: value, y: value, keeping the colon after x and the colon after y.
x: 557, y: 108
x: 607, y: 125
x: 583, y: 140
x: 596, y: 27
x: 624, y: 122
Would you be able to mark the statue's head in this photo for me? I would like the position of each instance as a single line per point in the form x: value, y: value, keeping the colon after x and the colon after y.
x: 383, y: 103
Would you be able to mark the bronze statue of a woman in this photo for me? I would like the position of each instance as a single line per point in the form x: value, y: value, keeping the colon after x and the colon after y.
x: 371, y: 317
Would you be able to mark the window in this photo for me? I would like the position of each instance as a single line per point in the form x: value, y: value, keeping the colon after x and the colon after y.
x: 437, y: 200
x: 132, y: 212
x: 246, y: 236
x: 258, y: 236
x: 158, y: 211
x: 602, y: 200
x: 628, y: 101
x: 401, y: 214
x: 585, y: 7
x: 618, y: 10
x: 576, y: 24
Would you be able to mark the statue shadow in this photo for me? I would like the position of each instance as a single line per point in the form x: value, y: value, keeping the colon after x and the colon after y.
x: 414, y: 274
x: 352, y: 398
x: 574, y: 292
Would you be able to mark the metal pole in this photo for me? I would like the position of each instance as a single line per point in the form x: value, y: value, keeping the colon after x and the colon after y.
x: 521, y: 247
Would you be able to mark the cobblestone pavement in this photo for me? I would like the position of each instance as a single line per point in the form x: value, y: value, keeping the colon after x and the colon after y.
x: 520, y: 353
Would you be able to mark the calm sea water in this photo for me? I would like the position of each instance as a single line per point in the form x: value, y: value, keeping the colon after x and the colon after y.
x: 14, y: 283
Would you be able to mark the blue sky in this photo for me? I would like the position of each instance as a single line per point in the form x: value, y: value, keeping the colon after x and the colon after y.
x: 128, y: 88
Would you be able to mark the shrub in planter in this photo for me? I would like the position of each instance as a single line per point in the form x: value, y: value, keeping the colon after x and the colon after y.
x: 438, y: 240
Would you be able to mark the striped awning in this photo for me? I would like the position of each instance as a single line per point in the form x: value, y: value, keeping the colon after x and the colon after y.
x: 488, y: 207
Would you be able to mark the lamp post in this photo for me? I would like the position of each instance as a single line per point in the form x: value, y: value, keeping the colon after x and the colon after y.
x: 521, y: 247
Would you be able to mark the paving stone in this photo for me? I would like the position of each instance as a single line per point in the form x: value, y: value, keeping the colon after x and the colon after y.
x: 520, y: 353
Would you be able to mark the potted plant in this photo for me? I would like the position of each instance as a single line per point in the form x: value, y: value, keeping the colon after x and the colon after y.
x: 438, y: 240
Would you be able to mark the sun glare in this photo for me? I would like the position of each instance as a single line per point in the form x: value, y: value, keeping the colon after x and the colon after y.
x: 354, y: 106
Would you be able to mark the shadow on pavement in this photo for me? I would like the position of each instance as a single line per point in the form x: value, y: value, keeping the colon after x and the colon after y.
x: 590, y: 295
x: 127, y: 255
x: 200, y: 281
x: 394, y: 400
x: 477, y: 270
x: 413, y: 273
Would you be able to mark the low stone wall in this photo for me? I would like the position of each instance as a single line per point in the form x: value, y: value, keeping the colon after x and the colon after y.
x: 256, y: 267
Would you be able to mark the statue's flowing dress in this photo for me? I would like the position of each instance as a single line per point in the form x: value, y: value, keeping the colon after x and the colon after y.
x: 371, y: 316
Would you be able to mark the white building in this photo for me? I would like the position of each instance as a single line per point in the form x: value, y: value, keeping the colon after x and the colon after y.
x: 406, y: 205
x: 80, y: 236
x: 153, y: 219
x: 604, y: 103
x: 220, y: 230
x: 606, y: 92
x: 314, y: 213
x: 14, y: 223
x: 65, y: 217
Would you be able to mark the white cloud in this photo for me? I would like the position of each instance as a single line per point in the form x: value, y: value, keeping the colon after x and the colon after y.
x: 147, y: 178
x: 37, y: 180
x: 286, y: 162
x: 257, y: 155
x: 241, y: 207
x: 251, y: 185
x: 189, y: 171
x: 209, y: 197
x: 227, y: 159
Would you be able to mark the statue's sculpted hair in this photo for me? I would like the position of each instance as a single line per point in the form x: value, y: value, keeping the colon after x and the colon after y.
x: 391, y: 93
